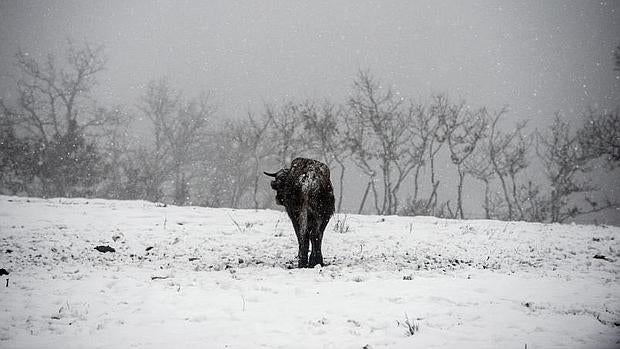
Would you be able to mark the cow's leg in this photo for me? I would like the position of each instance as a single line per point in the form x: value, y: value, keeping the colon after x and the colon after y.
x: 322, y: 227
x: 302, y: 243
x: 316, y: 247
x: 297, y: 232
x: 302, y: 239
x: 303, y: 251
x: 316, y: 257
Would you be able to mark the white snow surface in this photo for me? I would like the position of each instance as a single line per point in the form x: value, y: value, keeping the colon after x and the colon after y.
x: 222, y: 278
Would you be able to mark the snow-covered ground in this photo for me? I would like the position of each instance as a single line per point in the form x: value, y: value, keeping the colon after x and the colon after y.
x: 222, y: 278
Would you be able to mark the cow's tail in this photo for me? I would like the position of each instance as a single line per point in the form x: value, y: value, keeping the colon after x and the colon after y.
x: 303, y: 217
x: 310, y: 186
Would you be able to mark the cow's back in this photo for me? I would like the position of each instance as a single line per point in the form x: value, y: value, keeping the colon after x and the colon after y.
x: 312, y: 179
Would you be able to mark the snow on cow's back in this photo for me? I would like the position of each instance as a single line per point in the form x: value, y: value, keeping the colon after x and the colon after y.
x: 309, y: 181
x: 310, y: 174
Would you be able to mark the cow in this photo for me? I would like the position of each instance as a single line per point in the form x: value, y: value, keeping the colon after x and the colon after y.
x: 306, y: 192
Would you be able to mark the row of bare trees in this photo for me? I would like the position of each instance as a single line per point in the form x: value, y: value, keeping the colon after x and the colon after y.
x: 413, y: 158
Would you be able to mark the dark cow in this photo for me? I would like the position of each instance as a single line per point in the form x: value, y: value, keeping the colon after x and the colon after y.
x: 305, y: 190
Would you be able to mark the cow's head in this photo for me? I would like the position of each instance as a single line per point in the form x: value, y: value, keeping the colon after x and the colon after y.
x: 280, y: 183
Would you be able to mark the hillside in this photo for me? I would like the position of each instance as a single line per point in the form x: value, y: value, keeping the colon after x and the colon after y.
x: 191, y: 276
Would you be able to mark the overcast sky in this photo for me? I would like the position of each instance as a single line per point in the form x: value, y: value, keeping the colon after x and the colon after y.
x: 537, y: 57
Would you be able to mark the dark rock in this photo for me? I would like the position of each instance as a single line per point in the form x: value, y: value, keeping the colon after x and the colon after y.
x: 149, y: 248
x: 104, y: 249
x: 8, y: 250
x: 3, y: 272
x: 600, y: 256
x: 191, y: 259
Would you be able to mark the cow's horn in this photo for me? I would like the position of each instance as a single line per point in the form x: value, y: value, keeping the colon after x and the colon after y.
x: 270, y: 174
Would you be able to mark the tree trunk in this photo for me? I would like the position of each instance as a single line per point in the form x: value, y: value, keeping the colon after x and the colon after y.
x: 415, y: 183
x: 375, y: 195
x: 359, y: 211
x: 555, y: 207
x: 180, y: 188
x: 341, y: 183
x: 514, y: 196
x: 256, y: 176
x: 459, y: 202
x: 506, y: 195
x: 487, y: 214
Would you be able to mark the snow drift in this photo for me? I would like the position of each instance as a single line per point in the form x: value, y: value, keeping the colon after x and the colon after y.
x: 190, y: 276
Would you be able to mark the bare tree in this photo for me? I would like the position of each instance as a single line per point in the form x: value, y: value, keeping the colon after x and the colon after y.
x: 600, y: 135
x: 324, y: 130
x: 260, y: 150
x: 517, y: 156
x: 378, y: 133
x: 535, y: 203
x: 16, y: 161
x: 507, y: 154
x: 232, y: 171
x: 158, y: 104
x: 250, y: 142
x: 226, y: 177
x: 564, y: 159
x: 421, y: 134
x: 437, y: 135
x: 55, y: 111
x: 286, y: 132
x: 113, y: 140
x: 144, y: 176
x: 186, y: 135
x: 52, y: 96
x: 179, y: 129
x: 464, y: 129
x: 479, y: 167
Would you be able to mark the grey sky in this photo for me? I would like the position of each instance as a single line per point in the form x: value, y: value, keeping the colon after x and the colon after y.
x: 537, y: 57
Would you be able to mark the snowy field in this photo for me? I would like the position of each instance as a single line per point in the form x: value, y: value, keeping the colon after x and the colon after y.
x: 184, y: 277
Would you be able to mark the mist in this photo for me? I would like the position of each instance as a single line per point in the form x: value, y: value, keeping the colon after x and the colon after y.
x: 537, y: 60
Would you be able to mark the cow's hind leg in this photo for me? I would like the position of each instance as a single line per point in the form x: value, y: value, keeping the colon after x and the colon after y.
x: 302, y: 242
x: 316, y: 257
x: 303, y: 251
